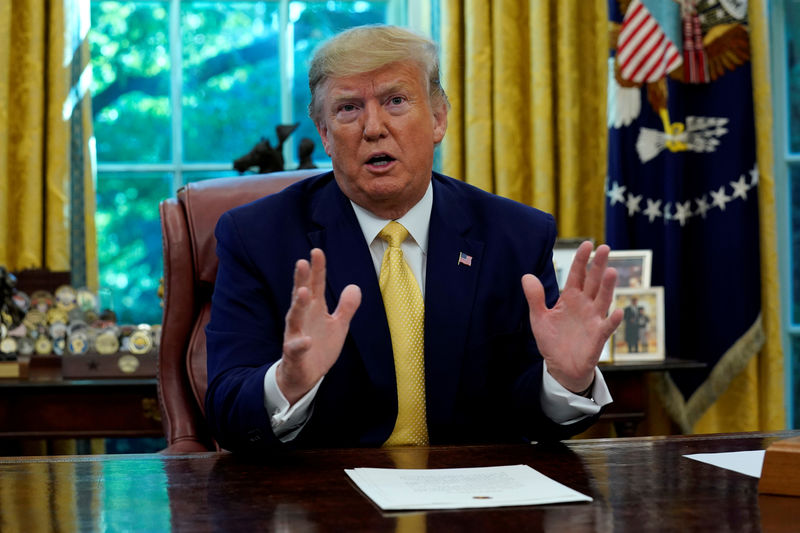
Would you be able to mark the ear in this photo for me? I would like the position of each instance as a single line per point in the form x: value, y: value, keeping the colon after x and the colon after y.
x: 322, y: 129
x: 439, y: 122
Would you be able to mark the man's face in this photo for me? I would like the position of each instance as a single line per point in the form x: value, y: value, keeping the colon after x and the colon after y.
x: 379, y: 129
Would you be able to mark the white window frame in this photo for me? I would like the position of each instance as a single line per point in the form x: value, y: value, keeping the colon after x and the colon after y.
x: 415, y: 14
x: 784, y: 159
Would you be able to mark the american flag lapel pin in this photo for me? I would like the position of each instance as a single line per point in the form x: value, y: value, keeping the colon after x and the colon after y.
x: 464, y: 259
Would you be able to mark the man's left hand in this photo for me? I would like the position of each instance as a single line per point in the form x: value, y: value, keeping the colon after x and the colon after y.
x: 571, y: 334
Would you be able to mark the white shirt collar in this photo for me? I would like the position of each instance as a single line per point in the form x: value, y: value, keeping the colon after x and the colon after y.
x: 416, y: 221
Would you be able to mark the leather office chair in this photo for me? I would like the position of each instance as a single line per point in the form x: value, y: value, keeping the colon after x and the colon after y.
x: 190, y: 268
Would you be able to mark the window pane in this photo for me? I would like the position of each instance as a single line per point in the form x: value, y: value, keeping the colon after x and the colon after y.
x: 793, y: 72
x: 129, y: 242
x: 231, y: 83
x: 794, y: 235
x: 130, y: 89
x: 310, y: 23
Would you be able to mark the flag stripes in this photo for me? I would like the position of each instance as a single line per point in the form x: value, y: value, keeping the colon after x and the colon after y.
x: 644, y: 52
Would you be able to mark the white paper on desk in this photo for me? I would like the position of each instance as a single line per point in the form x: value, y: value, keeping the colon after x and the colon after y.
x: 748, y: 462
x: 460, y: 488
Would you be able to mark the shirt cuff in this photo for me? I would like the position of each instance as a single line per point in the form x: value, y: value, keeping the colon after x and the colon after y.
x: 565, y: 407
x: 286, y: 420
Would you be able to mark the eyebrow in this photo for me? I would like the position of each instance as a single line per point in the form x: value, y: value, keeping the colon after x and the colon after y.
x: 345, y: 94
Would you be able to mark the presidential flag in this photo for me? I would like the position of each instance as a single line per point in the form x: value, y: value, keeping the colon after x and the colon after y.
x: 683, y: 182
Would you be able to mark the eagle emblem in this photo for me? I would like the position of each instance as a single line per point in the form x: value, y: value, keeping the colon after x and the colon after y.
x: 689, y: 41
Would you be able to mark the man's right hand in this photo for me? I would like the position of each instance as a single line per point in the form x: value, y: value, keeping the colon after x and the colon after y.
x: 313, y: 338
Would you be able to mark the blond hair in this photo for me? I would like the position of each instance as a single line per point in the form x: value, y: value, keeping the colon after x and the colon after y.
x: 366, y: 48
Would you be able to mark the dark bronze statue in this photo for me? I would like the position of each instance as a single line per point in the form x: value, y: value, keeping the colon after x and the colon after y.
x: 304, y: 153
x: 263, y: 155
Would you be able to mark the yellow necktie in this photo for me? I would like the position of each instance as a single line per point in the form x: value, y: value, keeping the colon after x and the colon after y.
x: 405, y: 312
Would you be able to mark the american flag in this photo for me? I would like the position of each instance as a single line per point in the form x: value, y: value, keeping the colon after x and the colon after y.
x: 464, y: 259
x: 644, y: 52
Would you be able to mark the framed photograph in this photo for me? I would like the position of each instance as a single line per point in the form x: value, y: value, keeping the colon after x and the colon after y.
x: 640, y: 336
x: 633, y: 267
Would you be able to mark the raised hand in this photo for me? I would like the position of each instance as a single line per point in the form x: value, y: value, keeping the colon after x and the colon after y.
x: 571, y: 334
x: 313, y: 338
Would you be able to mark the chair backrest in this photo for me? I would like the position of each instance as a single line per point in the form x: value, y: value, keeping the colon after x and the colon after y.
x: 190, y: 269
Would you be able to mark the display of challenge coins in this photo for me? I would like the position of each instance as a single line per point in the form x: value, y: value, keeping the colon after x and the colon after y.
x: 90, y: 343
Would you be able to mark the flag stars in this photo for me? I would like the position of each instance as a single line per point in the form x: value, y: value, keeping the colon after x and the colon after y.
x: 633, y: 204
x: 653, y: 209
x: 740, y: 188
x: 754, y: 176
x: 617, y: 193
x: 702, y: 206
x: 683, y: 211
x: 719, y: 198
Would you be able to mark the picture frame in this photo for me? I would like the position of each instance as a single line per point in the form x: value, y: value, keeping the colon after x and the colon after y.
x: 640, y: 336
x: 633, y: 267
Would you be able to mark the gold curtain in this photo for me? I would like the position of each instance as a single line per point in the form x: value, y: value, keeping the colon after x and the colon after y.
x: 46, y: 166
x: 527, y: 85
x: 46, y: 178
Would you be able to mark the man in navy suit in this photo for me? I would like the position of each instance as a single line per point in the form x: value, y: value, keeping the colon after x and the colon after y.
x: 299, y: 348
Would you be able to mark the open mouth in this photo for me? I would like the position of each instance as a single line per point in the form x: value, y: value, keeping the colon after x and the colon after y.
x: 380, y: 160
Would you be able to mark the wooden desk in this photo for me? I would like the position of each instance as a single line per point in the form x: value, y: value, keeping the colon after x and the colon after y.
x: 639, y: 484
x: 87, y: 408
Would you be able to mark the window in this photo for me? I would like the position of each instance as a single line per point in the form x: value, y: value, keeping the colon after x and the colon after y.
x: 785, y: 34
x: 180, y: 90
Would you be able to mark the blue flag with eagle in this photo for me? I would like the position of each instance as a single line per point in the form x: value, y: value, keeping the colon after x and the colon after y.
x: 683, y: 182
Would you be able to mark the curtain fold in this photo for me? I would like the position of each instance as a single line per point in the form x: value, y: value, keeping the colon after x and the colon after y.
x: 526, y: 81
x: 46, y: 166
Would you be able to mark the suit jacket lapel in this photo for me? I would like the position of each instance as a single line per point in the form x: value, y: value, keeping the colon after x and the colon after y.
x: 449, y: 298
x: 349, y: 261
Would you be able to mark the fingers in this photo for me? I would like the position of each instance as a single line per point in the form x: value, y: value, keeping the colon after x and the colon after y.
x: 596, y: 272
x: 585, y: 276
x: 300, y: 297
x: 295, y: 317
x: 606, y: 292
x: 302, y: 275
x: 310, y: 275
x: 308, y: 297
x: 577, y: 271
x: 612, y: 323
x: 534, y: 293
x: 296, y: 346
x: 317, y: 283
x: 348, y: 303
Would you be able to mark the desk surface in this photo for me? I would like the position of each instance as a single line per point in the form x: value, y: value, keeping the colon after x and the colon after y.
x: 638, y: 484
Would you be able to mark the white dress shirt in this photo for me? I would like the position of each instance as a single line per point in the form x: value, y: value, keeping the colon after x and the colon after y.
x: 558, y: 403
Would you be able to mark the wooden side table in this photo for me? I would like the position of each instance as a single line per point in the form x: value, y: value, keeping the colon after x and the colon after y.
x: 628, y: 385
x: 87, y: 408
